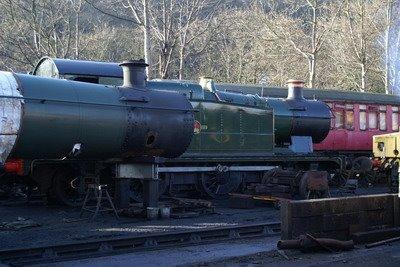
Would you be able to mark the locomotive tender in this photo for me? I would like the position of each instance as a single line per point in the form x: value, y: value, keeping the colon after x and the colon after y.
x: 238, y: 139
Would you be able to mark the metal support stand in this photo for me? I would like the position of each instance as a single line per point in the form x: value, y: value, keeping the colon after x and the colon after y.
x: 122, y: 192
x: 99, y: 193
x: 150, y: 193
x: 145, y: 171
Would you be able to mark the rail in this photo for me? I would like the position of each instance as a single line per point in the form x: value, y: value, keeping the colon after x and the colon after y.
x: 116, y: 246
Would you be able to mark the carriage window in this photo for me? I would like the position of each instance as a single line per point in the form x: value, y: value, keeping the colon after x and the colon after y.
x: 382, y: 118
x: 339, y: 119
x: 395, y: 119
x: 363, y: 118
x: 349, y: 117
x: 382, y: 121
x: 372, y: 120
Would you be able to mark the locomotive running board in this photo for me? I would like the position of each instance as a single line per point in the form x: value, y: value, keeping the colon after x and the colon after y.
x: 216, y: 168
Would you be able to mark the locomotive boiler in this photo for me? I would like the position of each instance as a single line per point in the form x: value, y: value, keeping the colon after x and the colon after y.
x: 49, y: 118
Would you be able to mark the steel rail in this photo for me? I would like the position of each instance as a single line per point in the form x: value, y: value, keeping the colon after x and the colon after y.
x: 116, y: 246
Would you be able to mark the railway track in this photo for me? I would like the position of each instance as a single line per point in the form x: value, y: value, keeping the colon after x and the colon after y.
x: 116, y: 246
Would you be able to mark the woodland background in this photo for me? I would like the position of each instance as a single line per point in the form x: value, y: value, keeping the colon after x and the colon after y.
x: 342, y: 44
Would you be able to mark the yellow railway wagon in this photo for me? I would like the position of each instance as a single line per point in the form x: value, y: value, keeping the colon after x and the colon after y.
x: 386, y: 149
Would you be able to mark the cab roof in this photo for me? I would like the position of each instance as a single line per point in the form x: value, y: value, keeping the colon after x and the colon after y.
x: 81, y: 67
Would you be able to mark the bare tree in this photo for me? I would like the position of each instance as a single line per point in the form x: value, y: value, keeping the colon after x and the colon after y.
x: 391, y: 45
x: 195, y: 19
x: 140, y: 13
x: 305, y: 33
x: 363, y: 32
x: 357, y: 13
x: 77, y: 7
x: 335, y: 44
x: 31, y: 29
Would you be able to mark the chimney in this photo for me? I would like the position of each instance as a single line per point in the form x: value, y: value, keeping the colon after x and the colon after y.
x: 134, y: 73
x: 295, y: 89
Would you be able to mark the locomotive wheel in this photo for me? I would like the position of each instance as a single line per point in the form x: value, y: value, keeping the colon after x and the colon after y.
x: 362, y: 164
x: 67, y: 190
x: 340, y: 178
x: 136, y: 189
x: 367, y: 179
x: 306, y: 193
x: 219, y: 185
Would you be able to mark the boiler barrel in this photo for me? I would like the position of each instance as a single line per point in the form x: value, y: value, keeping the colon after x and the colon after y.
x: 300, y: 118
x: 45, y: 117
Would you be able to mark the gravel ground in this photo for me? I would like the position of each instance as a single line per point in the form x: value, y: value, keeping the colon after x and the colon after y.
x: 248, y: 252
x: 53, y: 229
x: 387, y: 255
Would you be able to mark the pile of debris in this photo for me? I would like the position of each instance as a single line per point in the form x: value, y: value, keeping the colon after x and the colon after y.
x: 289, y: 184
x: 172, y: 208
x: 19, y: 224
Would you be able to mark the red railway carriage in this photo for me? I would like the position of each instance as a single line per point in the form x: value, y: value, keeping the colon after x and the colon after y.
x: 353, y: 125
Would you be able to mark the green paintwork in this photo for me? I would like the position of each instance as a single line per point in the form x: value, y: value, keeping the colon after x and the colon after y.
x: 229, y: 128
x: 283, y: 118
x: 232, y: 128
x: 108, y: 121
x: 291, y: 118
x: 101, y: 133
x: 239, y: 130
x: 230, y: 122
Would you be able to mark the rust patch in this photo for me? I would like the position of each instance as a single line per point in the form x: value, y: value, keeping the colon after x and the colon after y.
x: 10, y: 113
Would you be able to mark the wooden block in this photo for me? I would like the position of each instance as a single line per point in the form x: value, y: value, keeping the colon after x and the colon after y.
x: 286, y: 220
x: 306, y: 208
x: 341, y: 215
x: 307, y: 225
x: 342, y: 221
